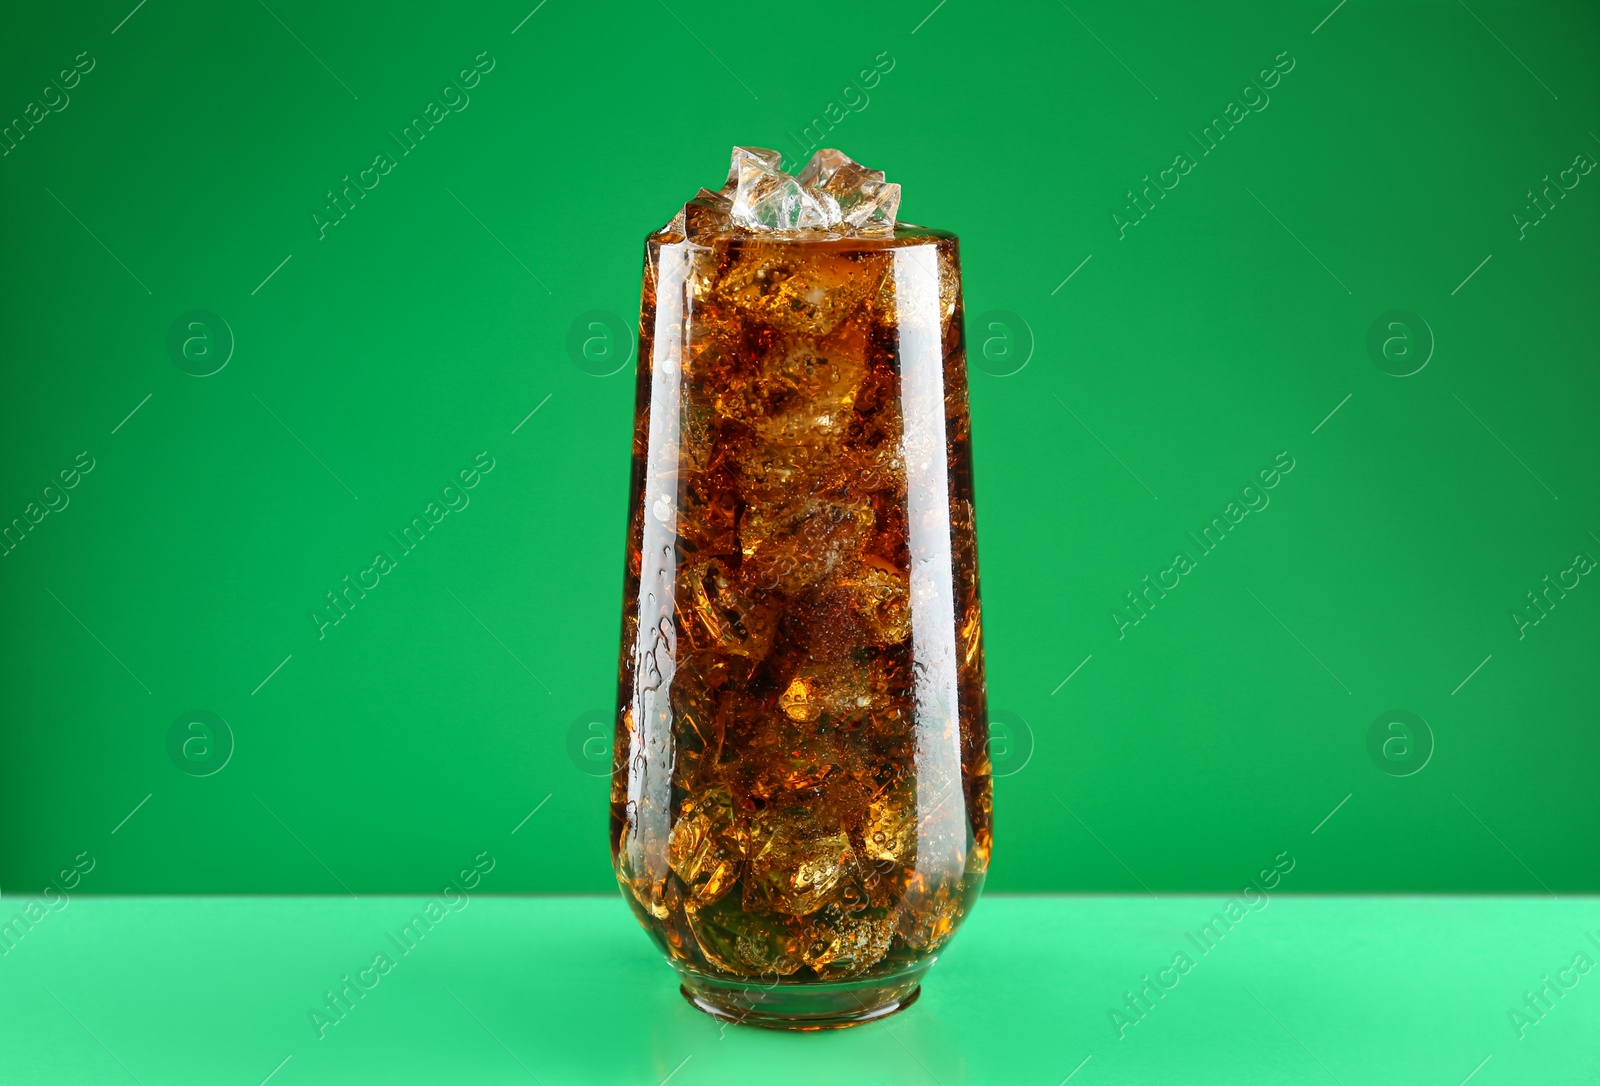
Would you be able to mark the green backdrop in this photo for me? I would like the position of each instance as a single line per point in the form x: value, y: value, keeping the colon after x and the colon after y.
x: 1219, y: 241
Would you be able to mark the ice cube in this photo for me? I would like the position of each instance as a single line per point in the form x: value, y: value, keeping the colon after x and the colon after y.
x: 865, y: 201
x: 792, y: 866
x: 840, y: 942
x: 766, y: 198
x: 833, y: 196
x: 704, y: 852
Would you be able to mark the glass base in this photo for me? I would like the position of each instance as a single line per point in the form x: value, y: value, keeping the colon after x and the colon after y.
x: 814, y: 1005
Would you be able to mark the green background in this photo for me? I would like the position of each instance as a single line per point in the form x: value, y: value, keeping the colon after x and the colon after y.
x: 1167, y: 370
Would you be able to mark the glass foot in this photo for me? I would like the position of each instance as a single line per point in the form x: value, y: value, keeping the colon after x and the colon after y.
x: 802, y: 1006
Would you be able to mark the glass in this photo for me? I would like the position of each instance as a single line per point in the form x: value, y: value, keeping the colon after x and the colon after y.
x: 801, y: 791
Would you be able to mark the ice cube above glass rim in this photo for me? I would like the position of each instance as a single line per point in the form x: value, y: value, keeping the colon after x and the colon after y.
x: 832, y: 197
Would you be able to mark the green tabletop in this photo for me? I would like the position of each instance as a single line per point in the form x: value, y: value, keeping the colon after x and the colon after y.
x: 1352, y: 990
